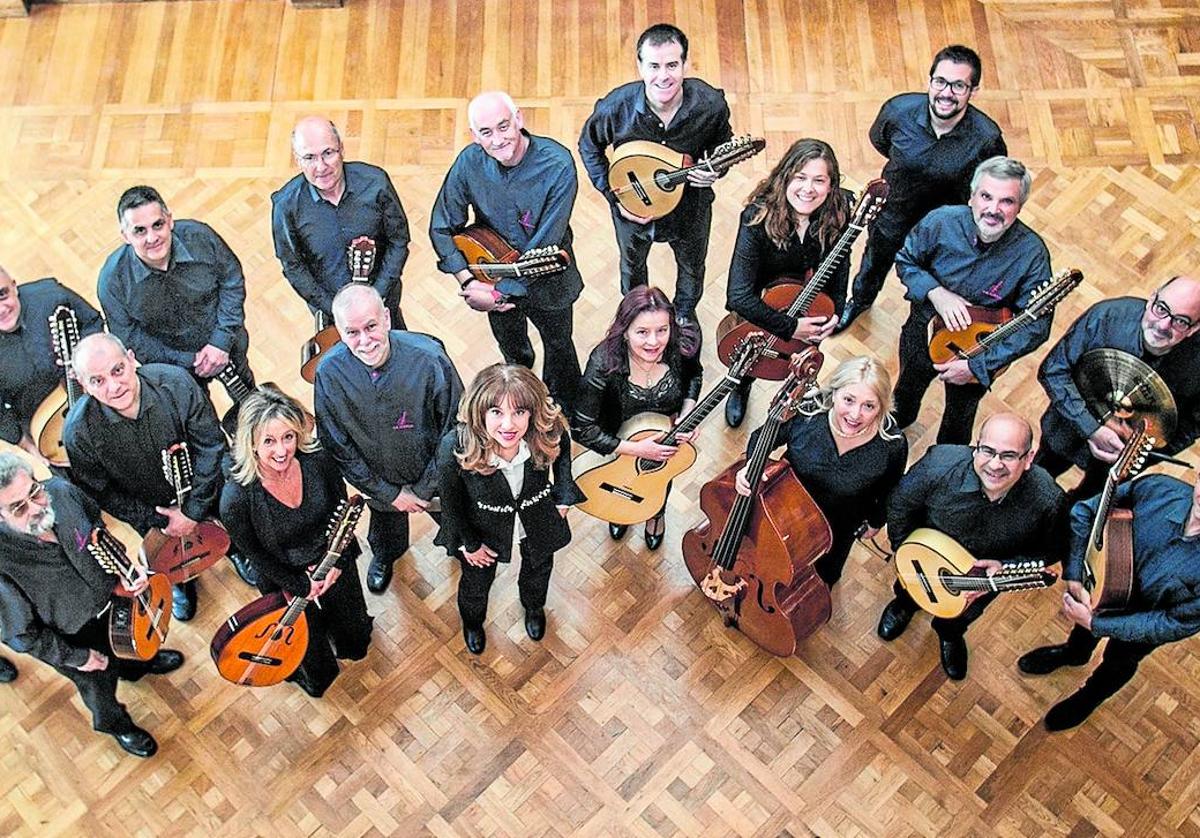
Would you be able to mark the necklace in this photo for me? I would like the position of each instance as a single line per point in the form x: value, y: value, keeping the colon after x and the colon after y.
x: 833, y: 427
x: 647, y: 373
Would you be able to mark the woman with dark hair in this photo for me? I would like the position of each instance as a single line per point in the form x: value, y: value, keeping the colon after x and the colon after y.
x: 646, y: 362
x: 504, y: 474
x: 791, y: 222
x: 278, y: 505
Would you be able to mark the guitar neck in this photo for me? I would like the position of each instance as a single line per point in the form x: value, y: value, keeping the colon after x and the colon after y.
x: 829, y: 264
x: 998, y: 583
x: 234, y: 384
x: 700, y: 412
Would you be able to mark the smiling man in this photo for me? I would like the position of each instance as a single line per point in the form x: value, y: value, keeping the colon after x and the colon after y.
x: 992, y: 500
x: 980, y: 254
x: 383, y: 400
x: 522, y: 186
x: 933, y: 140
x: 684, y: 114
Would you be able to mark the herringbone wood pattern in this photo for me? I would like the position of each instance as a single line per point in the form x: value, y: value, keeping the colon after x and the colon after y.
x: 639, y: 714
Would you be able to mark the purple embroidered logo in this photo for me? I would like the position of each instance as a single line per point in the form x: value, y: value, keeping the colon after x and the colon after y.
x: 994, y: 290
x: 81, y: 540
x: 526, y: 220
x: 402, y: 424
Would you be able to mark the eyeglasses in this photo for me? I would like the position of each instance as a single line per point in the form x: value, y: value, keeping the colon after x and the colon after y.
x: 958, y: 88
x: 987, y: 452
x: 36, y: 492
x: 1162, y: 311
x: 326, y: 156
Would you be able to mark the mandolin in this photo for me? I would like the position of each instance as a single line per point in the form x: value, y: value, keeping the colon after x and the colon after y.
x: 800, y: 299
x: 182, y: 559
x: 628, y: 489
x: 989, y: 326
x: 937, y: 571
x: 47, y: 423
x: 265, y: 641
x: 1108, y: 562
x: 137, y: 623
x: 648, y: 179
x: 493, y: 260
x: 361, y: 254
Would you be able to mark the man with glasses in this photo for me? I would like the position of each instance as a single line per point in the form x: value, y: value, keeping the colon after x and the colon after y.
x: 1160, y: 331
x: 54, y: 597
x: 331, y: 204
x: 932, y: 141
x: 979, y: 255
x: 992, y: 500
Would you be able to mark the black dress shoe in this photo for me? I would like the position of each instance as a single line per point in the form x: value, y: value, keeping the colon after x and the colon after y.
x: 954, y: 657
x: 849, y: 314
x: 894, y: 620
x: 655, y: 540
x: 1046, y: 659
x: 1072, y: 710
x: 735, y: 406
x: 535, y: 623
x: 167, y: 660
x: 475, y: 638
x: 617, y: 531
x: 8, y: 672
x: 137, y: 742
x: 244, y: 569
x: 379, y: 575
x: 183, y: 601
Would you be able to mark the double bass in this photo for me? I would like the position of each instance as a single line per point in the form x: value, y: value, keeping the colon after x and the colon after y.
x: 752, y: 558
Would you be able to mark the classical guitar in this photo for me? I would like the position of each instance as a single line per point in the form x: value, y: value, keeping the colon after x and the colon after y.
x: 361, y: 254
x: 648, y: 178
x: 182, y: 559
x: 989, y: 326
x: 47, y: 423
x: 265, y: 641
x: 752, y: 556
x: 800, y: 299
x: 491, y: 259
x: 238, y: 389
x: 937, y: 571
x: 628, y: 489
x: 1108, y: 562
x: 137, y: 623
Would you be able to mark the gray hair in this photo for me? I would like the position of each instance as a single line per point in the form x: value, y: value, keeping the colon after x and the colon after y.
x: 351, y: 294
x: 12, y: 464
x: 504, y: 98
x: 1003, y: 168
x: 86, y: 346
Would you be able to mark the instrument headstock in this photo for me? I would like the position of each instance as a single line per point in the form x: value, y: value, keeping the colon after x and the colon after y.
x: 1133, y: 456
x: 870, y: 203
x: 341, y: 526
x: 109, y: 553
x: 748, y: 350
x: 177, y: 468
x: 543, y: 260
x: 361, y: 253
x: 64, y: 333
x: 1050, y: 292
x: 736, y: 150
x: 801, y: 380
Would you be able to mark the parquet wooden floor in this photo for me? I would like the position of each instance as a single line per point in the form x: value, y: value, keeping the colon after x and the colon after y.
x: 639, y: 714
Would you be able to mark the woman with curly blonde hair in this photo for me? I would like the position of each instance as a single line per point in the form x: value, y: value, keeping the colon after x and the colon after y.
x: 505, y: 483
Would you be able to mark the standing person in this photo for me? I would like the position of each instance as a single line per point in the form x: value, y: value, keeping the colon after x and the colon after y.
x: 791, y: 221
x: 174, y: 292
x: 384, y: 398
x: 54, y: 597
x: 932, y: 141
x: 1160, y: 331
x: 29, y: 371
x: 505, y: 480
x: 115, y: 437
x: 317, y: 214
x: 686, y: 115
x: 1165, y: 607
x: 278, y: 506
x: 648, y: 361
x: 980, y: 254
x: 523, y: 187
x: 845, y: 450
x: 992, y: 500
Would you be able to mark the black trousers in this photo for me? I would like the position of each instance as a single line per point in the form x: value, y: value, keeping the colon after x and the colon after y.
x: 690, y: 246
x: 98, y: 688
x: 830, y: 566
x: 387, y: 533
x: 339, y: 627
x: 533, y: 581
x: 878, y: 258
x: 917, y: 372
x: 954, y: 626
x: 1094, y: 475
x: 1117, y: 667
x: 560, y: 368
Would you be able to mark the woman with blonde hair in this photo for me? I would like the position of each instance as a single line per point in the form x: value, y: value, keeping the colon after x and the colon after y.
x: 845, y: 450
x: 284, y: 492
x: 504, y: 473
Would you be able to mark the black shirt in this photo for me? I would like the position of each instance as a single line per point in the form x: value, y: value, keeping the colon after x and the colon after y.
x: 28, y: 371
x: 118, y: 461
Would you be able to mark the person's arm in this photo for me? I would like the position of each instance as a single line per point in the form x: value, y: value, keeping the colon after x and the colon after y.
x: 881, y: 130
x: 395, y: 228
x: 24, y: 632
x: 1055, y: 374
x: 914, y: 258
x: 596, y: 136
x: 741, y: 295
x: 206, y: 443
x: 556, y: 212
x: 565, y: 492
x: 589, y: 405
x: 1187, y: 426
x: 457, y: 533
x: 231, y: 293
x: 443, y: 394
x: 121, y: 323
x: 448, y: 217
x: 908, y: 499
x: 1023, y: 341
x: 1051, y: 529
x: 89, y: 473
x: 897, y: 457
x: 237, y: 517
x: 289, y: 251
x: 349, y: 459
x: 1176, y: 621
x: 692, y: 373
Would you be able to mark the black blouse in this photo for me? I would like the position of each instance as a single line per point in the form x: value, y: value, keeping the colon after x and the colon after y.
x: 607, y: 399
x: 282, y: 542
x: 849, y: 488
x: 757, y: 262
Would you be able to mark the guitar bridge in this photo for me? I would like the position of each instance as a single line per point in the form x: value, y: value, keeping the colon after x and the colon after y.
x: 621, y: 492
x: 637, y: 187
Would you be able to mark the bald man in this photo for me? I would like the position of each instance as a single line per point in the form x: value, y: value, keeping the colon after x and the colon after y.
x: 330, y: 204
x: 992, y: 500
x: 1161, y: 331
x: 523, y: 186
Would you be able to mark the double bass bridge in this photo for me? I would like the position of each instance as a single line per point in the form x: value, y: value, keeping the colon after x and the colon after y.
x: 719, y: 591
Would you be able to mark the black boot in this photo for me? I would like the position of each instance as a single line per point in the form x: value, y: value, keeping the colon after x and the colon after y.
x: 849, y: 314
x: 244, y: 569
x: 8, y: 672
x: 475, y: 639
x: 1073, y: 710
x: 1046, y: 659
x: 183, y: 601
x: 735, y: 404
x: 894, y: 620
